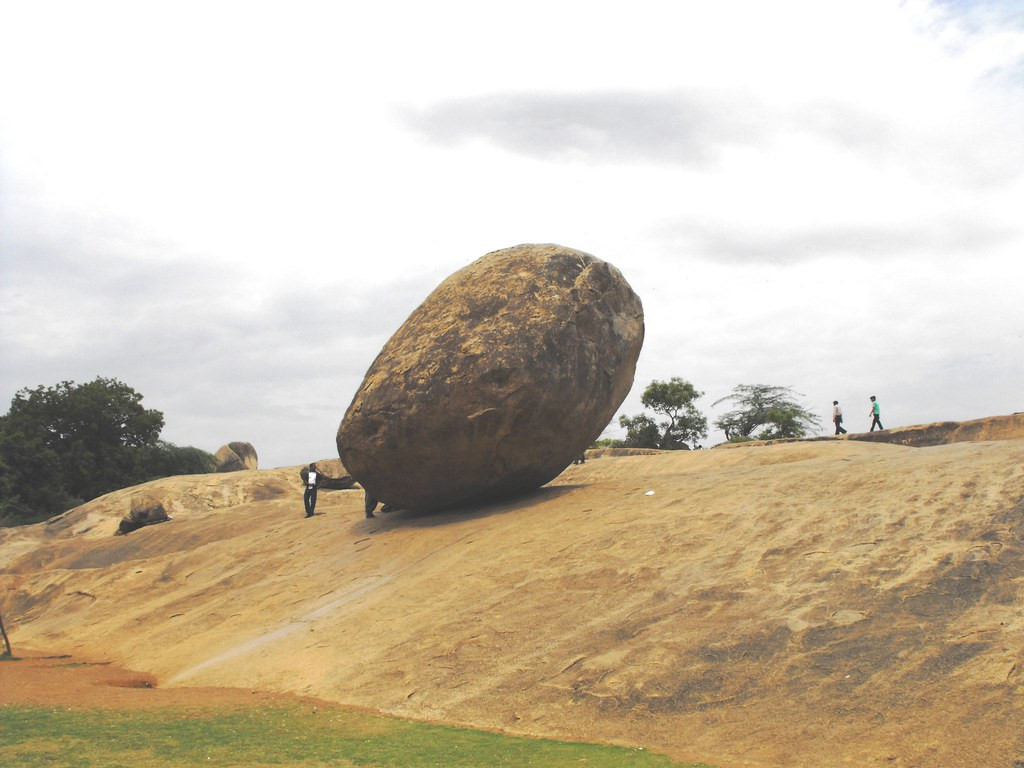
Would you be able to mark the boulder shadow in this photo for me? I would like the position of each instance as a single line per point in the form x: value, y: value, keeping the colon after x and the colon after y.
x: 431, y: 518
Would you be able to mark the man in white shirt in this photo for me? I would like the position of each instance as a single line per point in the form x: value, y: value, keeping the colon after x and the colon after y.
x: 837, y: 417
x: 312, y: 483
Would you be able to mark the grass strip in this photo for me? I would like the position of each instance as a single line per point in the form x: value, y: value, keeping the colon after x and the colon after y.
x: 295, y: 735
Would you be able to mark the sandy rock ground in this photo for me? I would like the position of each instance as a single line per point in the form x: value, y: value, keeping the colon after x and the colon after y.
x: 828, y: 603
x: 75, y: 682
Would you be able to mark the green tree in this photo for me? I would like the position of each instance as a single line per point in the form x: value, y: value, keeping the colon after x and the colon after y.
x: 65, y: 444
x: 641, y: 431
x: 674, y: 400
x: 771, y: 409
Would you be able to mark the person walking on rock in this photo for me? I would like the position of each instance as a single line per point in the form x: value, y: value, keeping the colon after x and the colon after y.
x: 876, y: 415
x: 312, y: 483
x: 837, y: 417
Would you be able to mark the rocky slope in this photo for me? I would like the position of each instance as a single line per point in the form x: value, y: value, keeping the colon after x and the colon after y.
x: 821, y: 603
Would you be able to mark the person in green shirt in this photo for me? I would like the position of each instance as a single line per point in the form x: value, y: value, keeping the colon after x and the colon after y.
x: 876, y: 413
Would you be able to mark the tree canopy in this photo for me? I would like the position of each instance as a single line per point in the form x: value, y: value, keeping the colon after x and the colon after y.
x: 66, y: 444
x: 673, y: 399
x: 769, y: 408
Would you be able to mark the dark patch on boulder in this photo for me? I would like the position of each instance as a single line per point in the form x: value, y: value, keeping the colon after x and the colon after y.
x: 959, y: 587
x: 936, y: 669
x: 867, y: 647
x: 267, y: 493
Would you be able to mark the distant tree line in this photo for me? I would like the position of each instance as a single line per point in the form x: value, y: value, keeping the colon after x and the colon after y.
x: 63, y: 445
x: 762, y: 412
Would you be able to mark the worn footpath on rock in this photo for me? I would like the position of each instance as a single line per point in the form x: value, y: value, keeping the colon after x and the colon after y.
x: 806, y: 604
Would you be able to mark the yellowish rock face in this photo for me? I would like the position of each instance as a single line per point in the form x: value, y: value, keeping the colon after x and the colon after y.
x: 801, y: 604
x: 236, y: 456
x: 497, y: 381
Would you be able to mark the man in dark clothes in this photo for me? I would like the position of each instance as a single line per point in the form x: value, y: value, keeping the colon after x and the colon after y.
x: 312, y: 483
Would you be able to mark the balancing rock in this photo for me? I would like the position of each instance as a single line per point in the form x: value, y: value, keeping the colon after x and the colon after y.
x: 497, y: 381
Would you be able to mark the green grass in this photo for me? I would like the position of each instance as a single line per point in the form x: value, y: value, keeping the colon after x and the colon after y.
x: 296, y: 735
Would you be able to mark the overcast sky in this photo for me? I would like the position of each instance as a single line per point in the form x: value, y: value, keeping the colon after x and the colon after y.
x: 230, y: 206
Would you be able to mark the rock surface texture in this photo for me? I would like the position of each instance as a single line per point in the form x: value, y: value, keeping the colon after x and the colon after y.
x: 946, y: 432
x: 235, y: 457
x: 801, y: 605
x: 145, y: 510
x: 497, y: 381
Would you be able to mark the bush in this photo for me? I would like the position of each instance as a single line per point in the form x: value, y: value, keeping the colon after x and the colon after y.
x: 63, y: 445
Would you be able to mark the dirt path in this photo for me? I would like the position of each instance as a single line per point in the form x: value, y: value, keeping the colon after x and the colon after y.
x: 73, y: 682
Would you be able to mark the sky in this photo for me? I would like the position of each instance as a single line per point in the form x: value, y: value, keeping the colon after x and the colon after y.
x: 231, y: 206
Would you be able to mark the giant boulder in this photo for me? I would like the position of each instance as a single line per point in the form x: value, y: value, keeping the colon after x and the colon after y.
x: 497, y: 381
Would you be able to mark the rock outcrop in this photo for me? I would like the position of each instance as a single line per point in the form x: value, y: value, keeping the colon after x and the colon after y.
x: 945, y: 432
x: 864, y: 600
x: 236, y: 456
x: 1010, y: 427
x: 145, y: 510
x: 341, y: 482
x: 597, y: 453
x: 497, y: 381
